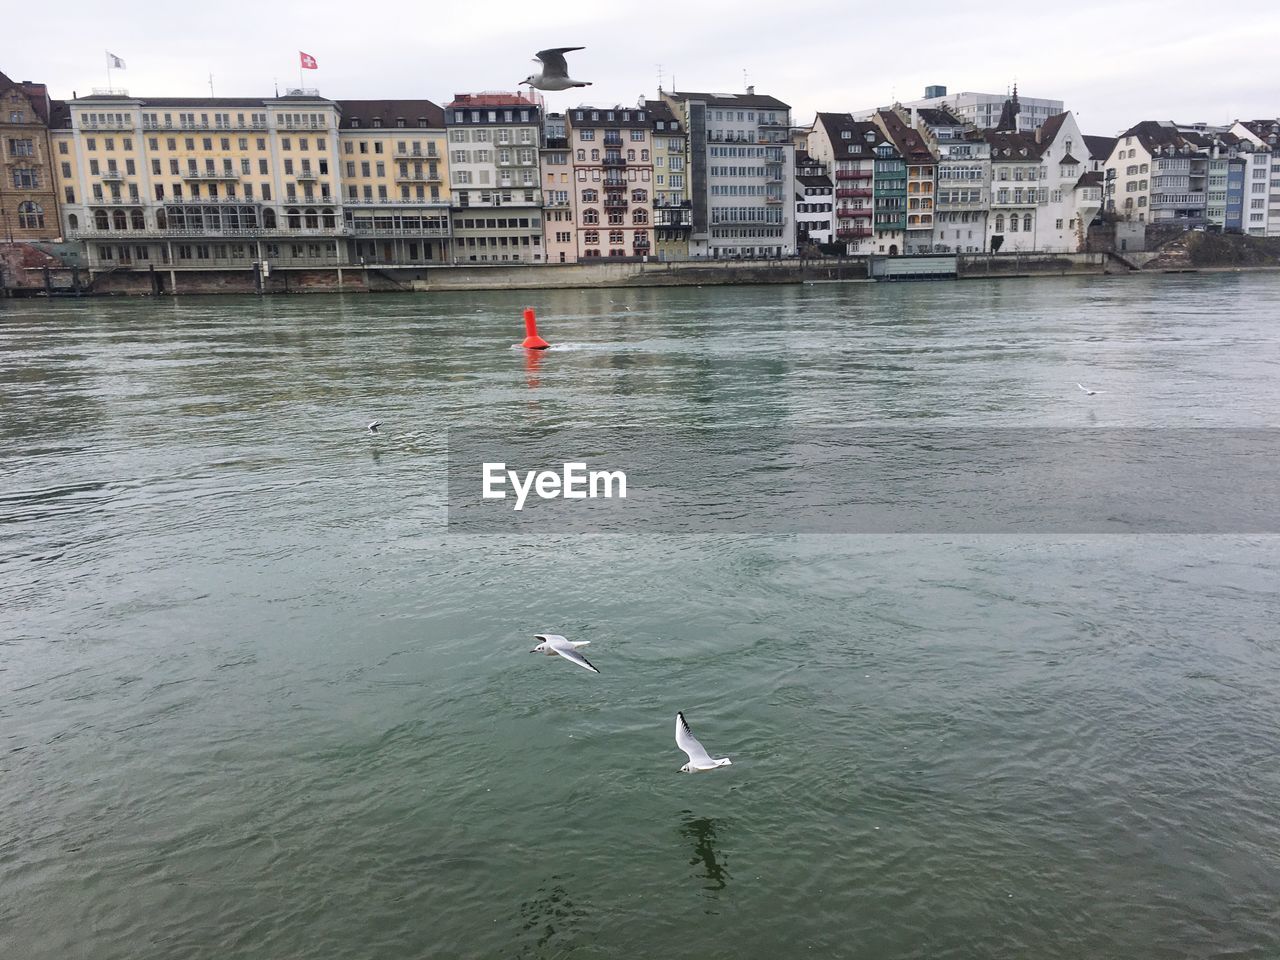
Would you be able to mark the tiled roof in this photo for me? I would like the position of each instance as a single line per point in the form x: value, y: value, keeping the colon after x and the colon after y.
x: 580, y: 116
x: 1049, y: 129
x: 755, y: 100
x: 837, y: 124
x: 908, y: 140
x: 1013, y: 147
x: 389, y: 112
x: 1091, y: 179
x: 496, y: 99
x: 938, y: 117
x: 1068, y: 159
x: 813, y: 181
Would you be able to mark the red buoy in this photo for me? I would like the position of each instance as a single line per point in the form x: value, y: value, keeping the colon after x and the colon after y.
x: 532, y: 341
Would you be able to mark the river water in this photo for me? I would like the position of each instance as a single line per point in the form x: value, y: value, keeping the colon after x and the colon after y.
x: 258, y: 701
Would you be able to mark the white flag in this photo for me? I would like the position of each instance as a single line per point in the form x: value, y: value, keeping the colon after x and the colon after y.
x: 114, y: 62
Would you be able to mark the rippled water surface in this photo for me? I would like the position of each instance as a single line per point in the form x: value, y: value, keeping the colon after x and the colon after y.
x: 255, y: 702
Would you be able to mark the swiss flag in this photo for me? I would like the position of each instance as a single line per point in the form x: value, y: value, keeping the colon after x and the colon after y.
x: 308, y: 61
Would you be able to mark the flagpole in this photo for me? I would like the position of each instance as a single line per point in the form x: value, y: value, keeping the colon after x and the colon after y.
x: 108, y: 69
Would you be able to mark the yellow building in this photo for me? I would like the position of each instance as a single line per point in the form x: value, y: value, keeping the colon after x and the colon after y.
x: 28, y: 198
x: 673, y: 210
x: 558, y: 196
x: 395, y: 182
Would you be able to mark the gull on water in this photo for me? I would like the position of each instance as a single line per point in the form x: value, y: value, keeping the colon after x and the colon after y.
x: 1087, y: 390
x: 554, y: 74
x: 555, y: 645
x: 373, y: 427
x: 699, y: 760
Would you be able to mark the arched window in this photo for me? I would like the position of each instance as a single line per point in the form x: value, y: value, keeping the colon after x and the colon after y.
x: 640, y: 216
x: 162, y: 222
x: 269, y: 218
x: 295, y: 218
x: 1026, y: 223
x: 999, y: 223
x: 328, y: 219
x: 590, y: 216
x: 590, y: 196
x: 73, y: 221
x: 100, y: 220
x: 312, y: 219
x: 639, y: 196
x: 136, y: 221
x: 119, y: 221
x: 30, y: 215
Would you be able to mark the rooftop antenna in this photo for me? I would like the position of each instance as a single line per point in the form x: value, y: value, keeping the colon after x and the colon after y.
x: 745, y: 84
x: 659, y: 78
x: 210, y: 84
x: 275, y: 85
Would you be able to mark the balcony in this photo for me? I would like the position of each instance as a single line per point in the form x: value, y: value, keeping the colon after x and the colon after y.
x: 285, y: 123
x: 436, y: 231
x: 640, y: 243
x: 210, y: 233
x: 770, y: 123
x: 673, y: 219
x: 210, y: 175
x: 110, y: 174
x: 206, y: 125
x: 95, y: 126
x: 851, y: 213
x: 419, y: 153
x: 305, y: 174
x: 614, y: 161
x: 556, y: 203
x: 393, y: 202
x: 849, y: 193
x: 774, y: 200
x: 853, y: 233
x: 616, y: 183
x: 612, y: 141
x: 615, y: 203
x: 853, y: 174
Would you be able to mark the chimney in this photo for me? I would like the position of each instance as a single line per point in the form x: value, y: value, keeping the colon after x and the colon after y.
x: 751, y: 90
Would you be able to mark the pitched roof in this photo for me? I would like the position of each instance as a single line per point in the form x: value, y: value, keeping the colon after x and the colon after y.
x: 1013, y: 147
x: 732, y: 99
x: 388, y: 113
x: 907, y: 139
x: 59, y: 114
x: 580, y: 116
x: 1049, y: 129
x: 658, y: 110
x: 939, y: 117
x: 1099, y: 147
x: 813, y: 180
x: 494, y: 99
x: 1164, y: 133
x: 1068, y: 159
x: 1091, y: 179
x: 857, y: 145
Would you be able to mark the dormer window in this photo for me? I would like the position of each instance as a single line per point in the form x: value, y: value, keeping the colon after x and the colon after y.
x: 399, y: 121
x: 870, y: 137
x: 355, y: 122
x: 845, y: 135
x: 377, y: 121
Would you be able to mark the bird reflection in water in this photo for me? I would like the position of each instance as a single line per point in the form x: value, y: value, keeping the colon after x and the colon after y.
x: 551, y: 918
x: 702, y: 831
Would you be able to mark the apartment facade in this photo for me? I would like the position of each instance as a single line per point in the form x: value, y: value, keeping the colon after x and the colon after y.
x: 815, y: 201
x: 28, y: 188
x: 847, y: 147
x: 921, y: 176
x: 672, y: 207
x: 611, y: 153
x: 1261, y: 219
x: 742, y: 173
x: 394, y: 176
x: 202, y: 182
x: 1014, y: 191
x: 559, y: 239
x: 496, y: 196
x: 964, y: 174
x: 1068, y: 194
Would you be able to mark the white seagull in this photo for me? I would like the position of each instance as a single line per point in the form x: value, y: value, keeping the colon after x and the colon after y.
x: 555, y: 645
x: 555, y: 72
x: 699, y: 760
x: 373, y: 427
x: 1087, y: 390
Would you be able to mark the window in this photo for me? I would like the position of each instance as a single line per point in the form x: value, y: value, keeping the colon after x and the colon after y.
x: 30, y: 215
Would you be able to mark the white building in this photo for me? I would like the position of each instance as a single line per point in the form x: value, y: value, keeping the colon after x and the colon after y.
x: 1069, y: 193
x: 848, y: 148
x: 742, y: 173
x: 964, y: 172
x: 815, y: 201
x: 982, y: 109
x: 1264, y: 135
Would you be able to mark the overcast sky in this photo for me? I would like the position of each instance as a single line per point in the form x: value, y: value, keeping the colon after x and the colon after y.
x: 1114, y: 62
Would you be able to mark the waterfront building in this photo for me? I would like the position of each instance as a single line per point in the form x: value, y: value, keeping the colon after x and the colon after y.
x: 847, y: 148
x: 202, y: 183
x: 1232, y: 172
x: 741, y: 172
x: 1015, y: 174
x: 815, y: 201
x: 921, y: 174
x: 395, y: 189
x: 611, y: 154
x: 983, y: 110
x: 1262, y: 176
x: 964, y: 174
x: 496, y: 197
x: 28, y: 189
x: 1068, y: 193
x: 559, y: 239
x: 1161, y: 174
x: 672, y: 207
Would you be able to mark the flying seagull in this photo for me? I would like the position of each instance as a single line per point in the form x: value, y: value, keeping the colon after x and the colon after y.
x: 555, y: 645
x: 699, y: 760
x: 1087, y: 390
x: 373, y: 427
x: 555, y: 72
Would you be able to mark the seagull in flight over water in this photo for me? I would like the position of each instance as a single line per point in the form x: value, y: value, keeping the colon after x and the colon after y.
x: 373, y: 427
x: 699, y: 760
x: 555, y: 645
x: 555, y: 72
x: 1087, y: 390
